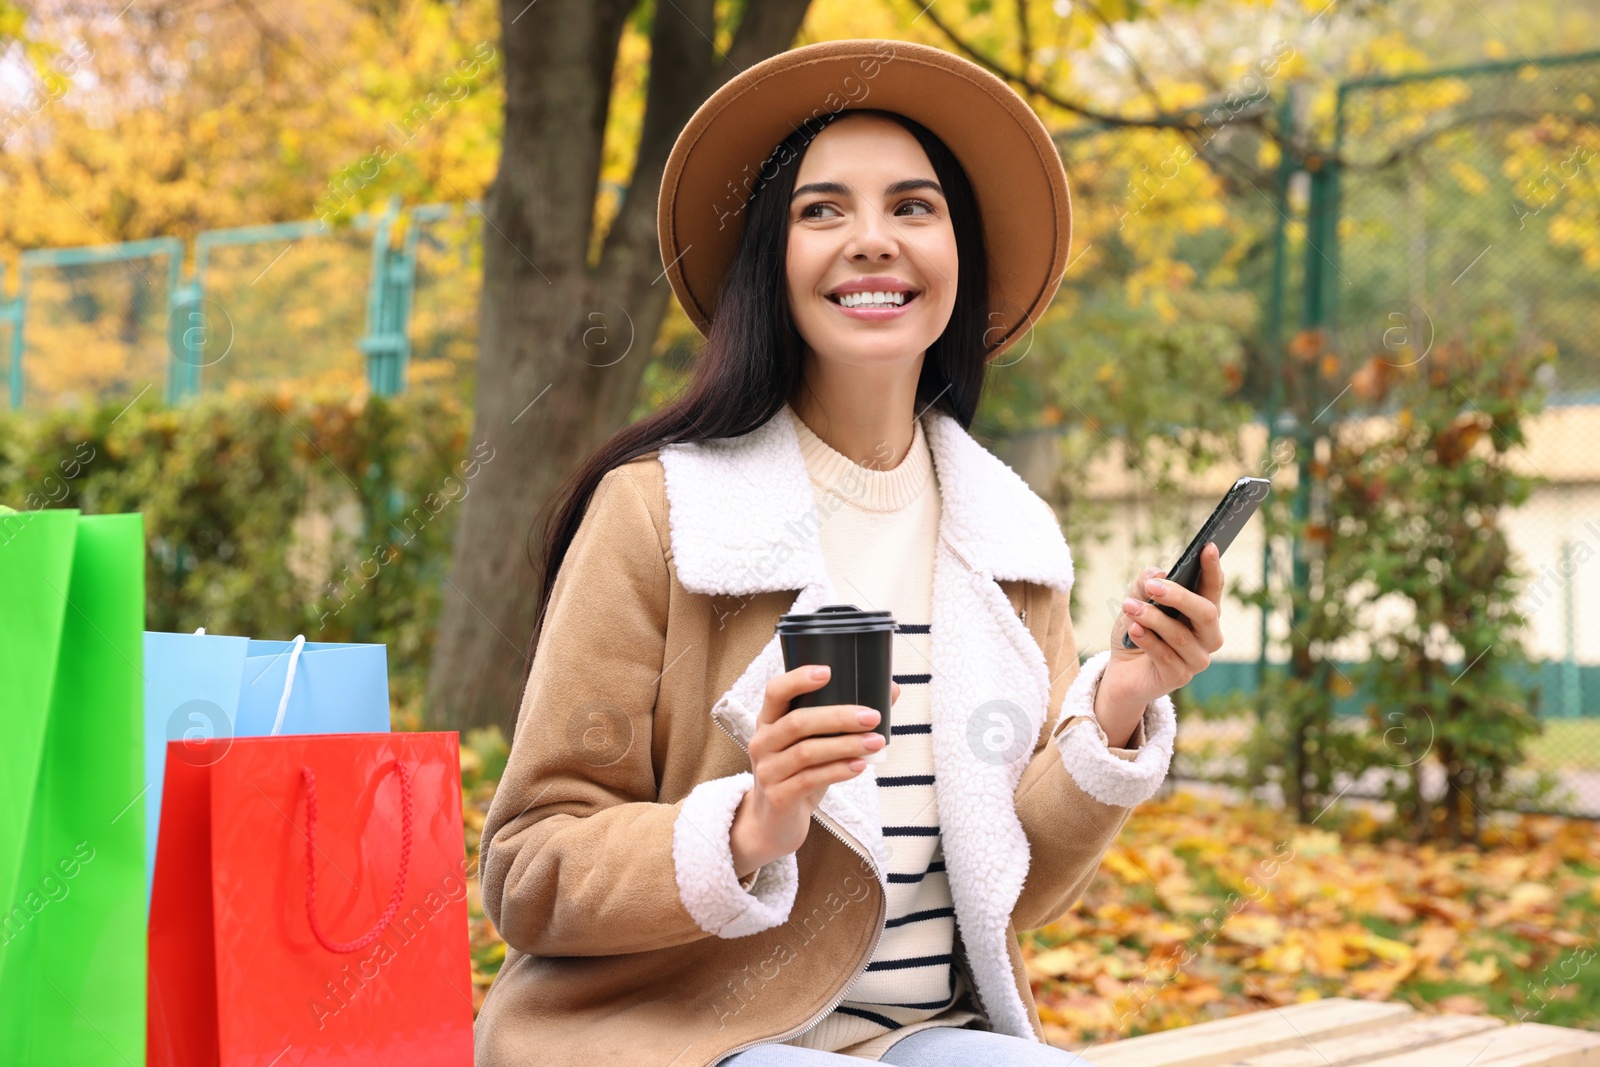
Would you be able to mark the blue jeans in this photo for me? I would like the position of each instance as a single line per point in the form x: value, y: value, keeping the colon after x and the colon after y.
x: 937, y: 1046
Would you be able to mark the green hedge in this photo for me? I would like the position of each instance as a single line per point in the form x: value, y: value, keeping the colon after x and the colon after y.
x: 269, y: 516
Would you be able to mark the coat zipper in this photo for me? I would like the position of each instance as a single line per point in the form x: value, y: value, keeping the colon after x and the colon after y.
x: 883, y: 906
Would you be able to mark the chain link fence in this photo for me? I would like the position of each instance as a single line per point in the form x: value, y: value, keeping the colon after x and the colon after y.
x: 1476, y: 193
x: 389, y: 299
x: 1451, y: 199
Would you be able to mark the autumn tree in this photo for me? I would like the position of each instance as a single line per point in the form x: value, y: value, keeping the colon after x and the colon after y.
x: 550, y: 383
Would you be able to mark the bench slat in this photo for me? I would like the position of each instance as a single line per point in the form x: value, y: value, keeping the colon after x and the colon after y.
x: 1419, y: 1032
x: 1225, y: 1041
x: 1523, y: 1045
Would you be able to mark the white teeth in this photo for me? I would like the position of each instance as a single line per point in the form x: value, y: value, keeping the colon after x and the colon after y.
x: 884, y: 299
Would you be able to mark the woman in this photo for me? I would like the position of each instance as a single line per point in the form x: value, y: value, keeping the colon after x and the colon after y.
x: 650, y: 857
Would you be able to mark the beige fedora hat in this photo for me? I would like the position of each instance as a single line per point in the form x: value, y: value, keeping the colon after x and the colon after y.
x: 1014, y: 168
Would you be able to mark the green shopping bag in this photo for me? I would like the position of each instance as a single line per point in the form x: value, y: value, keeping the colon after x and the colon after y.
x: 72, y: 936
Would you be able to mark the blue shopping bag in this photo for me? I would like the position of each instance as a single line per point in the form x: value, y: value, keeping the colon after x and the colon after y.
x: 200, y: 686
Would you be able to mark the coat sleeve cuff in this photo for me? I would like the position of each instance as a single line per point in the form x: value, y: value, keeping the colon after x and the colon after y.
x: 1120, y: 777
x: 703, y: 861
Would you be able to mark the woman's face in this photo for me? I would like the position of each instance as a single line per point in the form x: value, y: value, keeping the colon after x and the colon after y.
x: 868, y: 216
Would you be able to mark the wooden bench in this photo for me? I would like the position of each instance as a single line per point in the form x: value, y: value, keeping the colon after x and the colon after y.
x: 1337, y: 1031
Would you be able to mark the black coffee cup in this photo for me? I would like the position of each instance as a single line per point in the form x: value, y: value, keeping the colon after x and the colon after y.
x: 857, y: 646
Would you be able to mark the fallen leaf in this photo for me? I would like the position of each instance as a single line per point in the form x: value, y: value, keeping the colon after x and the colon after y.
x: 1478, y: 972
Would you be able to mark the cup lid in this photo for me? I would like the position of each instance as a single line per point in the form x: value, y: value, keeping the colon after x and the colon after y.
x: 836, y: 618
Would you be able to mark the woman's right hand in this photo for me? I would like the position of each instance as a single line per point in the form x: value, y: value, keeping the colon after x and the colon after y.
x: 793, y: 767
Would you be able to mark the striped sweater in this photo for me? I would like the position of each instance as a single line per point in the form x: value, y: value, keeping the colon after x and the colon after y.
x: 878, y: 530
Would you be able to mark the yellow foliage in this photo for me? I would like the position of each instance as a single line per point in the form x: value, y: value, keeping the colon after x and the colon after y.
x: 1260, y: 931
x: 1468, y: 178
x: 259, y: 124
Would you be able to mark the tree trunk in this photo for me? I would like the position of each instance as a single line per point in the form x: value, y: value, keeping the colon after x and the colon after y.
x: 563, y: 343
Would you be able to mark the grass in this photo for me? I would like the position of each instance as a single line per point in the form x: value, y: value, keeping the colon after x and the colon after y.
x: 1564, y: 744
x: 1567, y: 744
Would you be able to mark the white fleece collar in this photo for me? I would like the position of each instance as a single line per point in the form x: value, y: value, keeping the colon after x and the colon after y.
x: 744, y: 519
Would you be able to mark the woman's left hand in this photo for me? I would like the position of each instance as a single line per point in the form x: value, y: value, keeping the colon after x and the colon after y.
x: 1169, y: 652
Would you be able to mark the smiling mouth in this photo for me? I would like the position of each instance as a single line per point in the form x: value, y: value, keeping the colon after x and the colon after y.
x: 890, y: 299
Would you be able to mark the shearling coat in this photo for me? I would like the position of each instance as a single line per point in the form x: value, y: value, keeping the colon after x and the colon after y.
x: 606, y: 863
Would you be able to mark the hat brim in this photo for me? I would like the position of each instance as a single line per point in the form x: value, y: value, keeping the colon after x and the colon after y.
x: 1014, y: 168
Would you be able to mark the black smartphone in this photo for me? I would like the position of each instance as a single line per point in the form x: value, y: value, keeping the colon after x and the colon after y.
x: 1237, y: 505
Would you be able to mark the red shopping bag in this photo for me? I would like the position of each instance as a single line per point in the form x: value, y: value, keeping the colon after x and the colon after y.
x: 309, y: 905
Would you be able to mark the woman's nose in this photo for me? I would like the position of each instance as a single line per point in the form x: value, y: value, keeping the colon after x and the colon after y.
x: 872, y: 236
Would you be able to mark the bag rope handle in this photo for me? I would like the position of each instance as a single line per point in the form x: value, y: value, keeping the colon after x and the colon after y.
x: 288, y: 682
x: 311, y: 864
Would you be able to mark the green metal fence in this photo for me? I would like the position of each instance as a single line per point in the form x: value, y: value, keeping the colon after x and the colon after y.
x: 1466, y: 193
x: 1439, y: 198
x: 102, y: 309
x: 392, y: 298
x: 1449, y: 197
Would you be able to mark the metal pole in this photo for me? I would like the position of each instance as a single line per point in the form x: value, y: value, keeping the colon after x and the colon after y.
x: 1335, y: 206
x: 1571, y: 684
x: 387, y: 305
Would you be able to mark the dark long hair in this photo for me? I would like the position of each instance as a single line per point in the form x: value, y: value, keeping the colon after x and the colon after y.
x: 752, y: 359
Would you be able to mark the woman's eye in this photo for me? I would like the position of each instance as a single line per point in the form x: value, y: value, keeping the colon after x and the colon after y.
x: 807, y: 212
